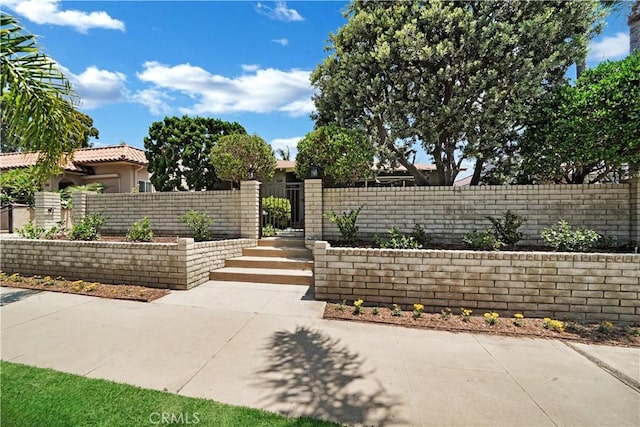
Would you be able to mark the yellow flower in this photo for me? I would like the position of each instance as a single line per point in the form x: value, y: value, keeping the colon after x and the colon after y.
x: 518, y: 316
x: 358, y: 303
x: 418, y: 307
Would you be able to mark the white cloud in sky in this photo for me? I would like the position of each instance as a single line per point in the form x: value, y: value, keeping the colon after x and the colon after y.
x: 98, y: 87
x: 610, y: 47
x: 280, y: 12
x: 154, y: 100
x: 50, y: 12
x: 260, y: 91
x: 299, y: 108
x: 250, y: 67
x: 281, y: 42
x: 284, y: 143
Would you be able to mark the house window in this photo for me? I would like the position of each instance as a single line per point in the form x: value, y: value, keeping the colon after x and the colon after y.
x: 144, y: 187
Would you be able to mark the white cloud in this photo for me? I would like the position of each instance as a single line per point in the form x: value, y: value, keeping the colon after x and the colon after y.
x: 281, y: 12
x: 260, y: 91
x: 154, y: 100
x: 281, y: 42
x: 610, y: 47
x: 250, y: 67
x: 97, y: 87
x: 284, y: 143
x: 49, y: 12
x: 298, y: 108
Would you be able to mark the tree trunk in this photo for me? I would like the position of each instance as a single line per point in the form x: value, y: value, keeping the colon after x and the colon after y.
x: 419, y: 177
x: 634, y: 27
x: 581, y: 66
x: 477, y: 172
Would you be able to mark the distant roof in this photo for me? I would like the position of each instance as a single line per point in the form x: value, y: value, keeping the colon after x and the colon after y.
x: 82, y: 157
x: 291, y: 164
x: 286, y: 164
x: 463, y: 182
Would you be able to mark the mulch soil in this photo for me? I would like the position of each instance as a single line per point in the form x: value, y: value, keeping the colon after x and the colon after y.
x: 94, y: 289
x: 614, y: 335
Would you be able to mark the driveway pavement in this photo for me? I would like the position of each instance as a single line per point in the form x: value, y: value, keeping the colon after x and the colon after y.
x: 266, y: 346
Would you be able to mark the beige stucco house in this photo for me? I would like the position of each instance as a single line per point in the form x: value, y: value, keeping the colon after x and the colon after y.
x: 121, y: 168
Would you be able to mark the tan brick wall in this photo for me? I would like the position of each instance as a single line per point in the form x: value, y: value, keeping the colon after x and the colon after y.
x: 312, y: 211
x: 180, y: 265
x: 560, y: 285
x: 47, y: 211
x: 634, y: 188
x: 250, y: 209
x: 449, y: 212
x: 164, y: 211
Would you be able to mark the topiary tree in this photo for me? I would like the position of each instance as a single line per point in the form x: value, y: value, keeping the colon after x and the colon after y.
x: 343, y: 156
x: 236, y: 157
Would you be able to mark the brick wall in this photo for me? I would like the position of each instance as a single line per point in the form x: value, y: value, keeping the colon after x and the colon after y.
x: 164, y: 211
x: 180, y: 265
x: 447, y: 213
x: 560, y: 285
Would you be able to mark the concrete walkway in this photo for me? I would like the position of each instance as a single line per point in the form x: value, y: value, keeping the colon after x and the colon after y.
x: 266, y: 346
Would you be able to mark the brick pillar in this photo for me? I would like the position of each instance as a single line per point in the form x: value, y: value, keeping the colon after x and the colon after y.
x: 47, y: 210
x: 250, y: 209
x: 634, y: 204
x: 79, y: 206
x: 312, y: 211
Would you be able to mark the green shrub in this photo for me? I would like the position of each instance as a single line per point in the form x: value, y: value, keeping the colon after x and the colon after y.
x: 562, y: 237
x: 506, y: 228
x: 398, y: 240
x: 269, y: 231
x: 482, y: 241
x: 140, y: 231
x: 31, y: 231
x: 420, y: 236
x: 199, y: 224
x: 277, y: 210
x: 346, y: 223
x: 88, y: 228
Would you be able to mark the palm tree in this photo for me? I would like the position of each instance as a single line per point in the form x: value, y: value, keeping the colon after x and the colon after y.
x: 284, y: 153
x: 38, y: 102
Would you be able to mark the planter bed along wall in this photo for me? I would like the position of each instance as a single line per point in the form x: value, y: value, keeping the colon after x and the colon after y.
x: 566, y: 286
x: 180, y: 265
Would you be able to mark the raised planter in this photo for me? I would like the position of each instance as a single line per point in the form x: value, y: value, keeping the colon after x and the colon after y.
x: 565, y: 286
x: 180, y: 265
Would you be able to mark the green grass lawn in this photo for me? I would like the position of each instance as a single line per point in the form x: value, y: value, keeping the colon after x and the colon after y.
x: 43, y: 397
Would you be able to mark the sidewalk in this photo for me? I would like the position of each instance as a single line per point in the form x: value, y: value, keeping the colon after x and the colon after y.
x: 266, y: 346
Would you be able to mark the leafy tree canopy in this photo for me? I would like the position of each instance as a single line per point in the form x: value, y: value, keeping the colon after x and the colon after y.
x: 342, y: 156
x: 458, y: 77
x: 236, y: 157
x: 178, y: 150
x: 38, y: 113
x: 20, y: 185
x: 589, y: 132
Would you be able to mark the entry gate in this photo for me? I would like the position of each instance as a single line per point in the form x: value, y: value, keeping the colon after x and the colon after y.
x: 282, y: 205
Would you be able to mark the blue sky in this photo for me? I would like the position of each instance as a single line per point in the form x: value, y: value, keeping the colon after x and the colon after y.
x: 133, y: 62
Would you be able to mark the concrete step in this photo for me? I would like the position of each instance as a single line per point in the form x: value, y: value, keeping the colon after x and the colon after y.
x: 278, y: 242
x: 263, y: 275
x: 270, y: 262
x: 278, y: 252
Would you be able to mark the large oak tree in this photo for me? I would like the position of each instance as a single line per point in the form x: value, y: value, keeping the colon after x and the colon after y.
x: 458, y: 77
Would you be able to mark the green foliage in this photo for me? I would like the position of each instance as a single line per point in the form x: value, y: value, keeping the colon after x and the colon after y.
x: 420, y: 236
x: 278, y: 211
x: 20, y: 185
x: 587, y: 132
x: 37, y: 100
x: 178, y: 149
x: 235, y: 157
x: 88, y: 228
x: 66, y: 194
x: 199, y: 223
x: 398, y: 240
x: 342, y: 156
x: 269, y: 231
x: 482, y: 241
x: 506, y: 228
x: 140, y: 231
x: 31, y: 231
x: 346, y: 223
x: 459, y: 77
x: 562, y: 237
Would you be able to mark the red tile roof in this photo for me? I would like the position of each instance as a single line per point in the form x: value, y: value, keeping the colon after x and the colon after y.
x: 81, y: 158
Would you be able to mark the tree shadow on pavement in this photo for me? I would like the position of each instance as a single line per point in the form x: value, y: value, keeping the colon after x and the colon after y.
x: 311, y: 374
x: 16, y: 296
